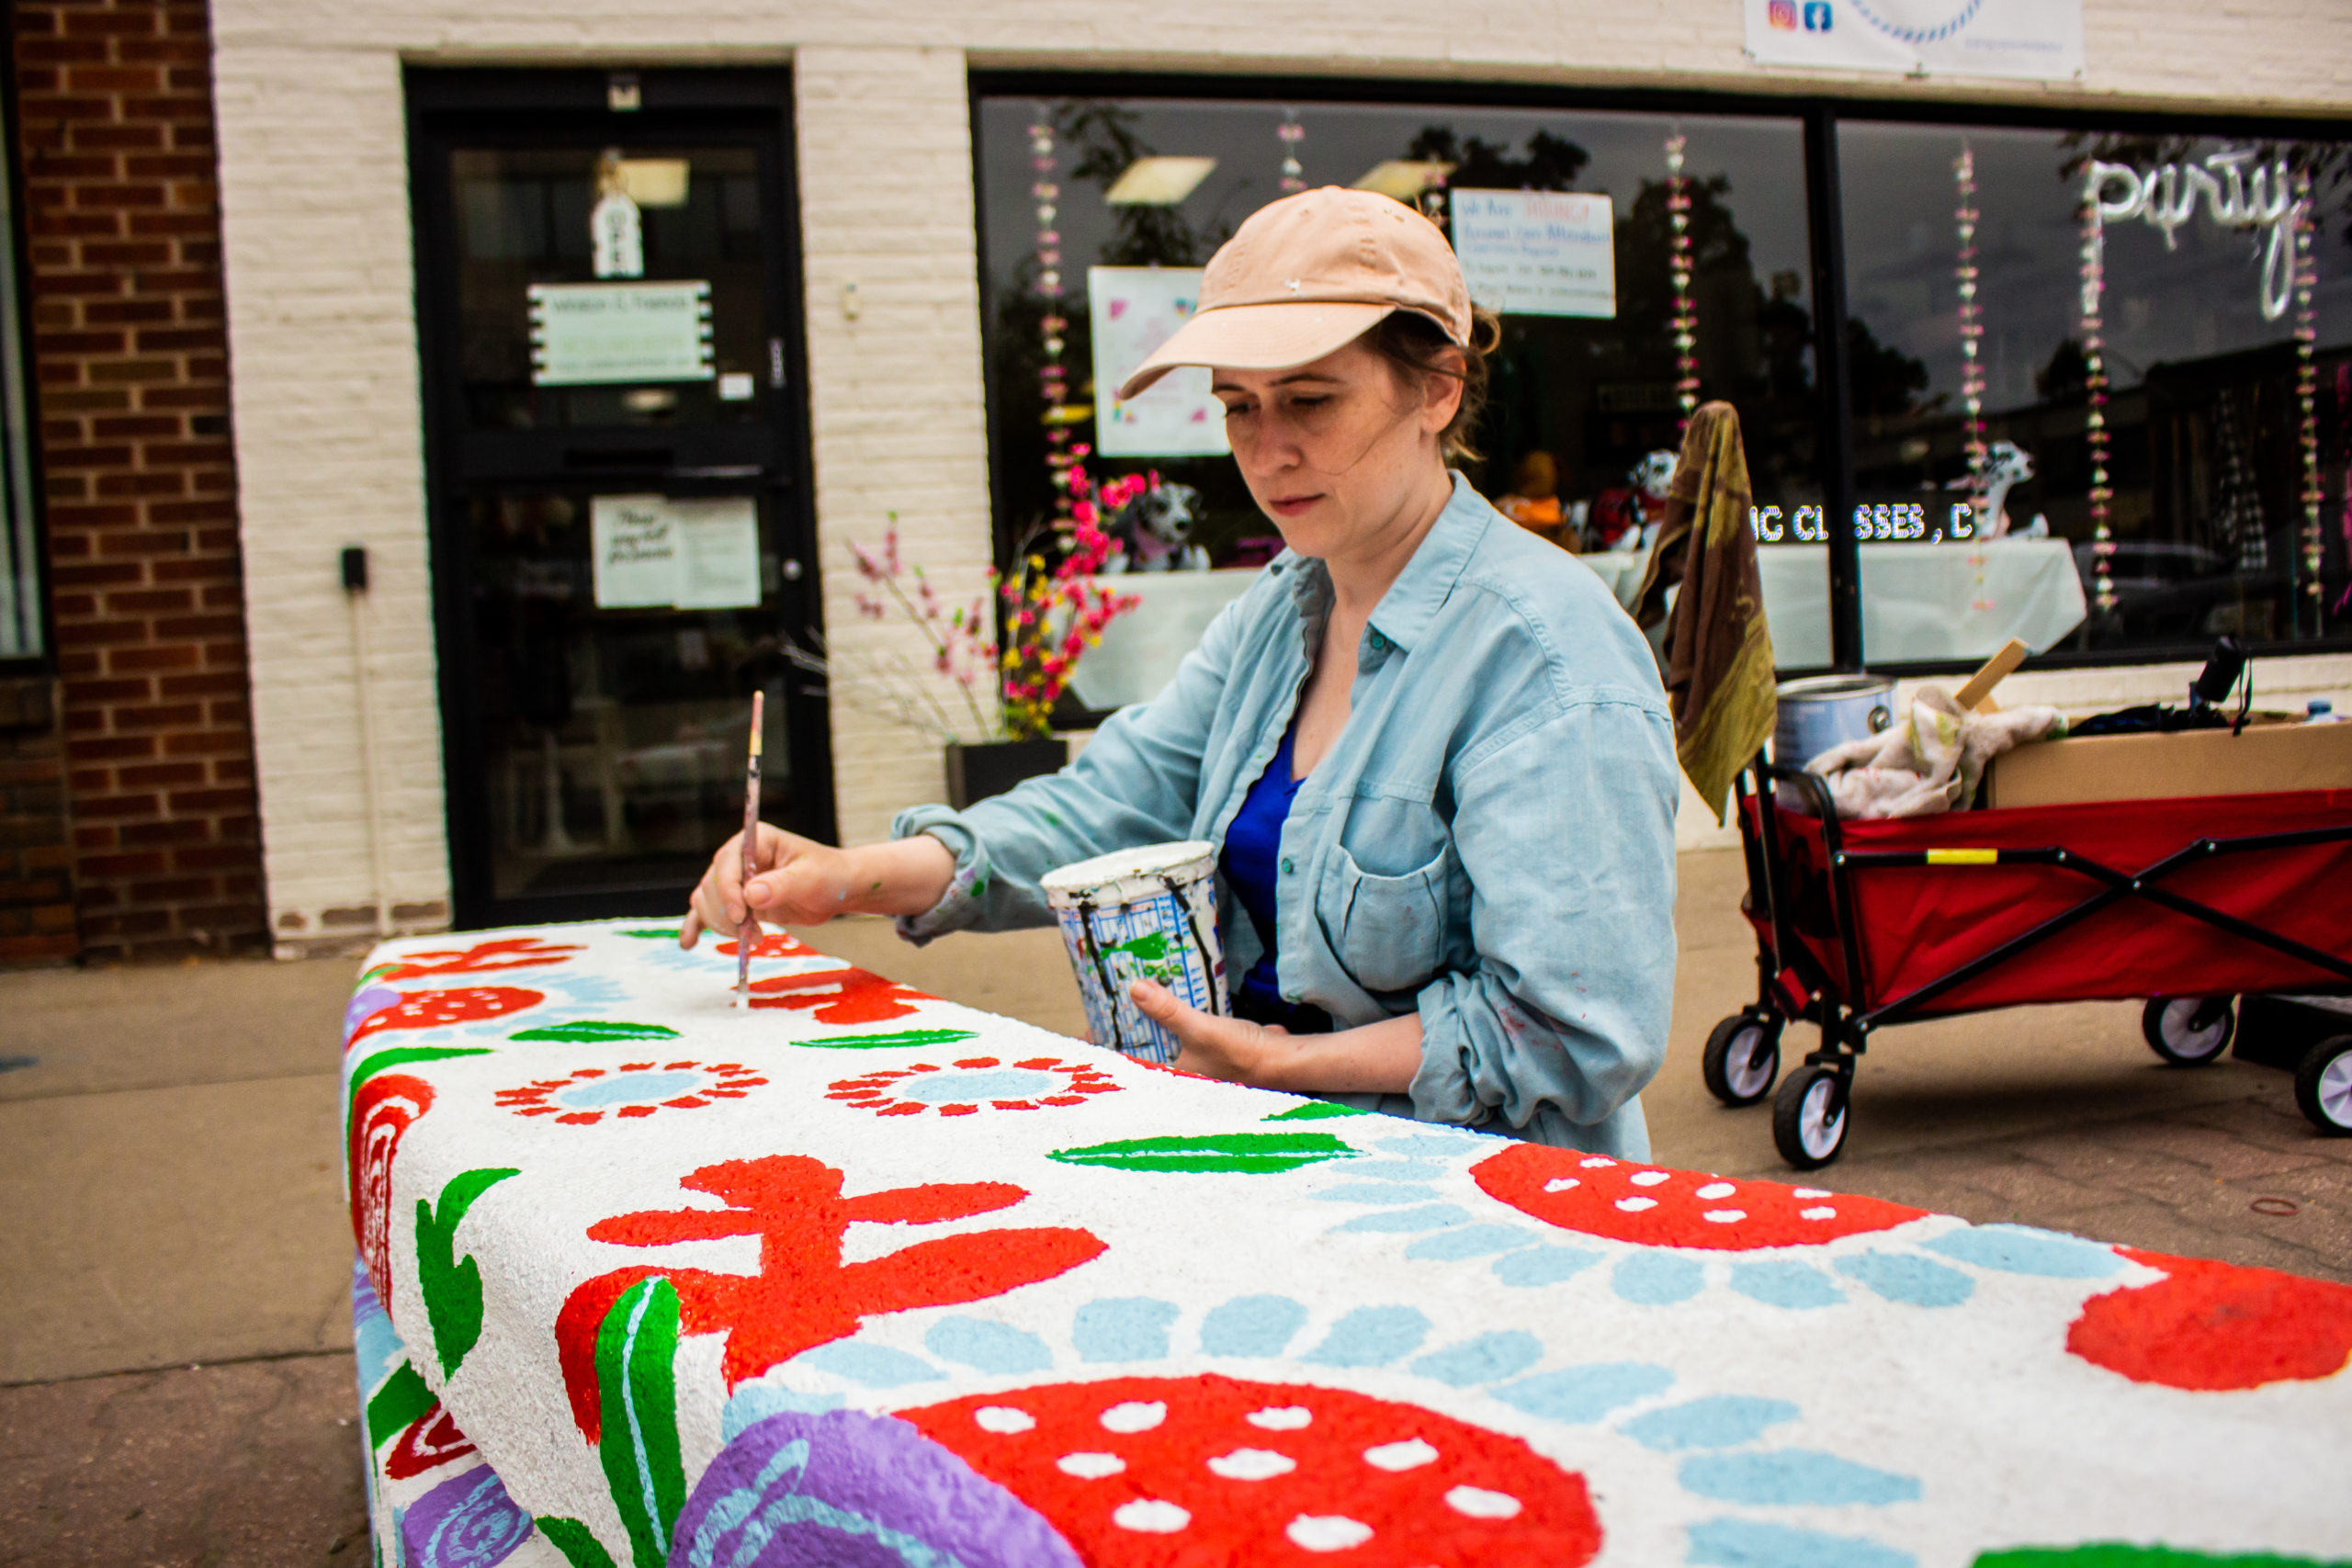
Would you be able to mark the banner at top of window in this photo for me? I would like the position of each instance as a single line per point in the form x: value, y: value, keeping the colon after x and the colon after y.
x: 2038, y: 39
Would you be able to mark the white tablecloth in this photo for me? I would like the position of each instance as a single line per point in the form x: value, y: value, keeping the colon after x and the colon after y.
x: 1920, y: 601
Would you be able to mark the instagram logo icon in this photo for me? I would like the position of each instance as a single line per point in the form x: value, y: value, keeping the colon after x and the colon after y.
x: 1782, y: 14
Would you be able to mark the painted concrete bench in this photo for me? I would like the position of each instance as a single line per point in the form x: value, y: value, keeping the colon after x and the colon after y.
x: 861, y: 1276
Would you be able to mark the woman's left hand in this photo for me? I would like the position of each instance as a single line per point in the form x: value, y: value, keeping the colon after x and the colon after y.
x: 1229, y: 1048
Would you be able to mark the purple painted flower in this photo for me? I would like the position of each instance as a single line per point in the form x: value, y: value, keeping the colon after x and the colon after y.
x: 468, y: 1521
x: 847, y: 1490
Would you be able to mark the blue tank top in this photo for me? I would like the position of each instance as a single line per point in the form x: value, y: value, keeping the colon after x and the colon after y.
x: 1253, y: 844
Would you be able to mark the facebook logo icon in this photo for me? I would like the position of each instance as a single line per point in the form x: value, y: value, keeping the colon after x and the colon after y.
x: 1816, y: 15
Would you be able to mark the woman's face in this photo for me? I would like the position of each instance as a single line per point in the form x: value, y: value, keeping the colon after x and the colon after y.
x: 1340, y: 453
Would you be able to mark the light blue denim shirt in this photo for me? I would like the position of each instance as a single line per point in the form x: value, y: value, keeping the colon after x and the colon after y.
x: 1490, y: 841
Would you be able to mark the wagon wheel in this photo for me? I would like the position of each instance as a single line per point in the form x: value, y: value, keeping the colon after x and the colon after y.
x: 1743, y: 1057
x: 2324, y: 1086
x: 1809, y: 1120
x: 2189, y: 1031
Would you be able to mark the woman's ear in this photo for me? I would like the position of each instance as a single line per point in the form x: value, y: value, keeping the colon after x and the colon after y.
x: 1441, y: 389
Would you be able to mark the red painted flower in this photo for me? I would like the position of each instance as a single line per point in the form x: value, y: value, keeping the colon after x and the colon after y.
x: 1169, y: 1472
x: 964, y: 1086
x: 1657, y: 1207
x: 2216, y: 1326
x: 804, y: 1294
x: 583, y: 1096
x: 381, y: 1114
x: 508, y: 953
x: 428, y: 1442
x: 440, y: 1008
x: 839, y: 996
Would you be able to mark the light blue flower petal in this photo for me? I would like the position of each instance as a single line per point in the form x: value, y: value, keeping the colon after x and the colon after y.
x: 756, y: 1401
x: 987, y: 1347
x: 876, y: 1366
x: 1580, y: 1395
x: 1123, y: 1329
x: 1376, y: 1192
x: 1794, y: 1476
x: 1470, y: 1241
x: 1750, y: 1543
x: 1483, y: 1359
x: 1371, y: 1337
x: 2020, y: 1249
x: 1718, y: 1421
x: 1544, y: 1265
x: 1251, y: 1326
x: 1658, y: 1278
x: 1427, y: 1217
x: 1438, y: 1146
x: 1396, y: 1169
x: 1901, y: 1277
x: 1785, y: 1284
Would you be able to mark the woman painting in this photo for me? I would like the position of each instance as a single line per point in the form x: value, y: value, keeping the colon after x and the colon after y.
x: 1433, y: 749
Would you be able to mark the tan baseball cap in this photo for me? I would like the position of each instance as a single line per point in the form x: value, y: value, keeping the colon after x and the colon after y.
x: 1308, y: 275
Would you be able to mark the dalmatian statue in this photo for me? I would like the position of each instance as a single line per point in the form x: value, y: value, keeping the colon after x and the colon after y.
x: 2007, y: 465
x: 1153, y: 531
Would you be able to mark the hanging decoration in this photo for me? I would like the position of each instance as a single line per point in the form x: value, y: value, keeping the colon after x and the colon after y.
x: 1291, y: 133
x: 1052, y: 378
x: 2095, y: 422
x: 1972, y: 331
x: 2307, y: 391
x: 1685, y: 321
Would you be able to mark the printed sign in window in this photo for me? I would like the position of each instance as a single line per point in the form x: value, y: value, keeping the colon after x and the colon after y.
x: 651, y: 552
x: 592, y: 334
x: 1532, y: 252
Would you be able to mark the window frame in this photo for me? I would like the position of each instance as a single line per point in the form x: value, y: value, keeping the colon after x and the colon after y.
x: 1821, y: 114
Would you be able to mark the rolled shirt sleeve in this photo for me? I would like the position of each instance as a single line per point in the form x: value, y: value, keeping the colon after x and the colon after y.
x: 1567, y: 836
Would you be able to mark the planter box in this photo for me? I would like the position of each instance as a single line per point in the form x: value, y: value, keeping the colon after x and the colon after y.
x: 976, y: 773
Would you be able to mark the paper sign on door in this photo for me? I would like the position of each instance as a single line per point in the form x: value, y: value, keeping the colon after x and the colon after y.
x: 1134, y: 309
x: 654, y: 552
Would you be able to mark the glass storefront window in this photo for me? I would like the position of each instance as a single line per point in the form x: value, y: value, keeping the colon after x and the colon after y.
x: 20, y: 598
x: 1577, y: 401
x: 2209, y: 528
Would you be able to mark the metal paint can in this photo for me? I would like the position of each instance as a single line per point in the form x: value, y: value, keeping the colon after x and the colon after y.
x: 1822, y: 711
x: 1146, y: 914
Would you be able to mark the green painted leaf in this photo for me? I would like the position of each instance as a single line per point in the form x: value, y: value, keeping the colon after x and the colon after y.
x: 452, y: 1285
x: 588, y: 1030
x: 2117, y: 1554
x: 637, y: 1390
x: 1316, y: 1111
x: 1251, y: 1153
x: 904, y: 1038
x: 652, y: 934
x: 579, y: 1545
x: 390, y: 1408
x: 367, y: 974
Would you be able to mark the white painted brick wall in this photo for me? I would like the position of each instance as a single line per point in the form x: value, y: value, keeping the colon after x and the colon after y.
x: 323, y: 335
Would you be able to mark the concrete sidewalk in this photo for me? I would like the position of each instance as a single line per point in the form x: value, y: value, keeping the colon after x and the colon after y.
x: 175, y: 1267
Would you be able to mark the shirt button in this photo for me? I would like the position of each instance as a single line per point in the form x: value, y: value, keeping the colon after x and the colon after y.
x: 1379, y: 643
x: 1286, y: 865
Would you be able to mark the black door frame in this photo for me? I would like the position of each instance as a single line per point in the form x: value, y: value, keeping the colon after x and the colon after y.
x: 449, y: 105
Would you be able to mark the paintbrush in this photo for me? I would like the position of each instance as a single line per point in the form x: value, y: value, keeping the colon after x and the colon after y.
x: 747, y: 935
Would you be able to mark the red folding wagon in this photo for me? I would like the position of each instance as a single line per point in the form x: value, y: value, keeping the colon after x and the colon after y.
x: 2187, y: 903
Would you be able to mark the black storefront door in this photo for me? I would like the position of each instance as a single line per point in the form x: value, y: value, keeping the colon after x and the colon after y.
x: 615, y: 433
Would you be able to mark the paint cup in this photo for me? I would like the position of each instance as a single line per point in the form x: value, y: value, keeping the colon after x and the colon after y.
x: 1146, y: 914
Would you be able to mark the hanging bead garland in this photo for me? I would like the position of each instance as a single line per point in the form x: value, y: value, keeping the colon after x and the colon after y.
x: 1291, y: 133
x: 1972, y: 326
x: 1685, y: 320
x: 1053, y: 379
x: 2307, y: 390
x: 2095, y: 423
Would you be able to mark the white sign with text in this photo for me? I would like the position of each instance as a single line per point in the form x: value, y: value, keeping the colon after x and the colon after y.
x: 2036, y: 39
x: 1532, y: 252
x: 651, y: 552
x: 1132, y: 311
x: 601, y: 334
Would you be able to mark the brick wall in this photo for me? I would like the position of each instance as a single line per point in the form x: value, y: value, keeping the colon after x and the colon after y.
x: 36, y: 851
x: 131, y: 362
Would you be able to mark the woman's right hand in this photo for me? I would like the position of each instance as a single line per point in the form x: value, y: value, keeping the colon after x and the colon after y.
x: 799, y: 883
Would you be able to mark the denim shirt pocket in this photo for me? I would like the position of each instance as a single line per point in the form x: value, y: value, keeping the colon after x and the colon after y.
x: 1389, y: 931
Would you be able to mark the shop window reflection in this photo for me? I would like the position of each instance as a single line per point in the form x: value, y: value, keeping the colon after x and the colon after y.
x: 2191, y: 384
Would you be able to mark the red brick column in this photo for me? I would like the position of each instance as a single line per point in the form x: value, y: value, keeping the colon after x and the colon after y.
x: 115, y: 118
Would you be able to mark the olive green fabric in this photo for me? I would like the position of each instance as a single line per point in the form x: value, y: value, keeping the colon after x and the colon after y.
x: 1718, y: 651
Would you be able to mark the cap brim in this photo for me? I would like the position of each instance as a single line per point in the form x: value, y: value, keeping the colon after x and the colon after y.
x: 1258, y: 337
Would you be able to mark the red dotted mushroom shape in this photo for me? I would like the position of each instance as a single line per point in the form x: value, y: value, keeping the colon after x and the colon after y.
x: 2216, y: 1326
x: 1154, y: 1472
x: 445, y: 1008
x: 1653, y: 1206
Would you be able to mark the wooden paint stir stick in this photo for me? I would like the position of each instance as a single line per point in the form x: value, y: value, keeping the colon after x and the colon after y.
x: 747, y: 935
